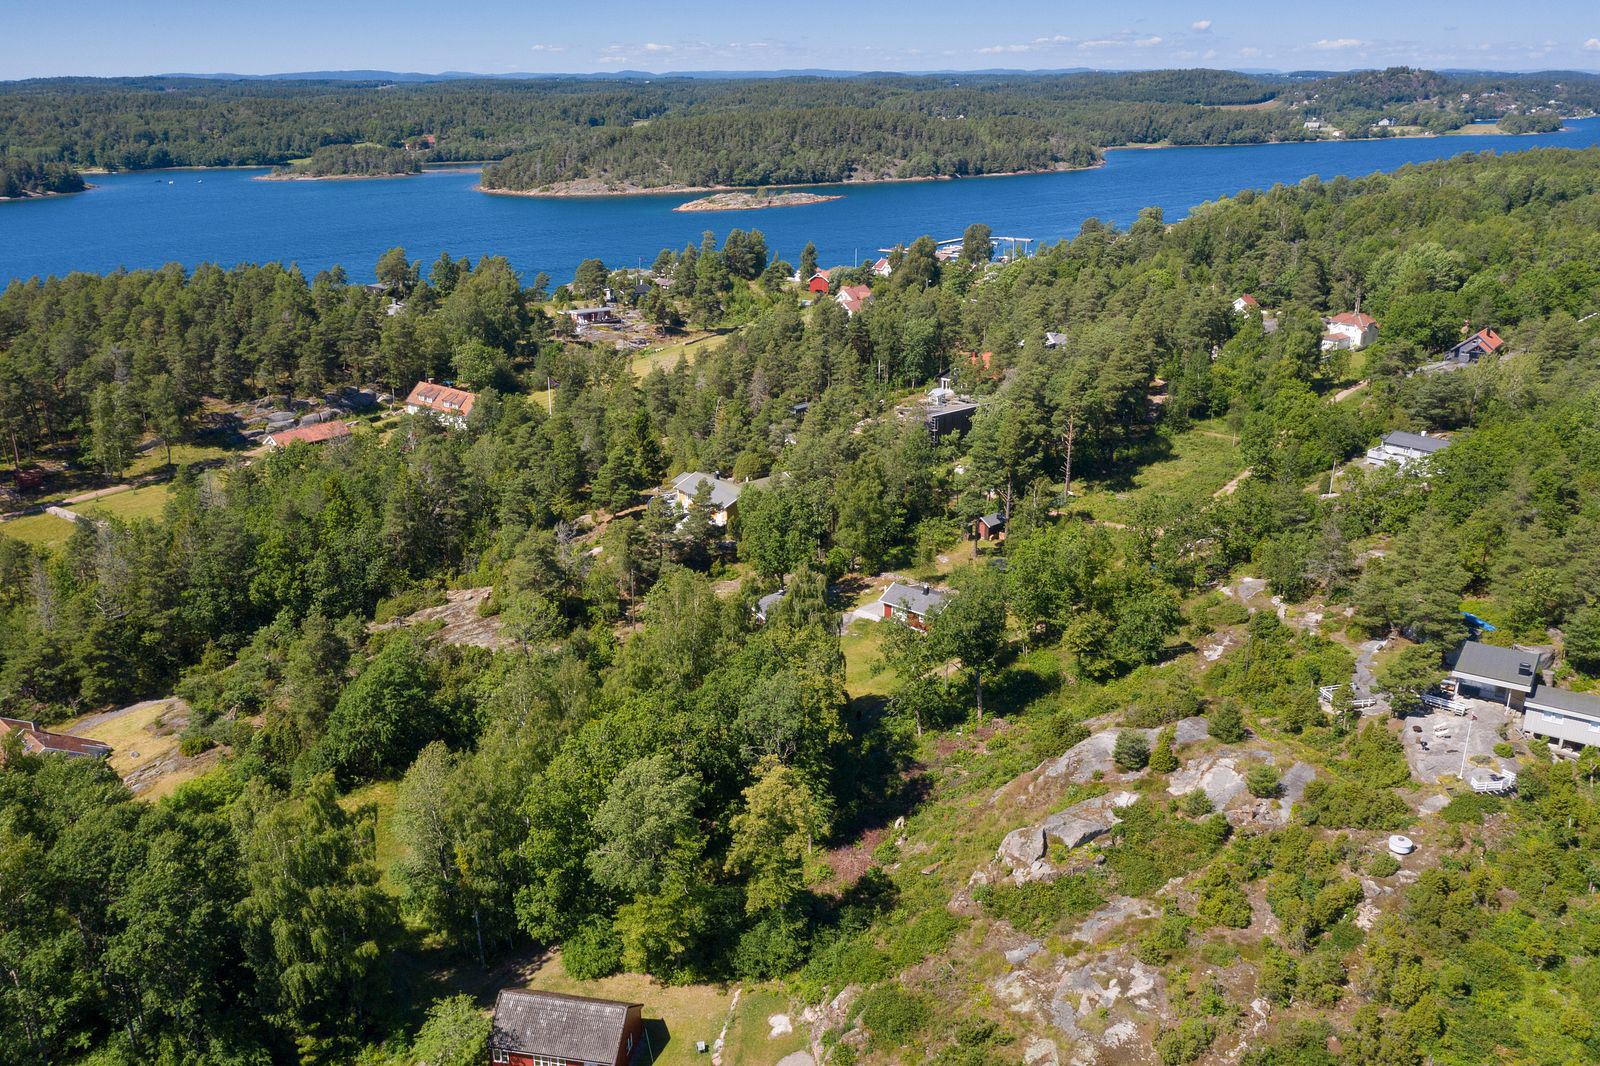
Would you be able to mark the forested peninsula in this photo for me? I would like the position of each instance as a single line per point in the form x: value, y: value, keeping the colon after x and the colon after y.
x: 22, y: 178
x: 626, y: 134
x: 351, y: 161
x: 835, y: 743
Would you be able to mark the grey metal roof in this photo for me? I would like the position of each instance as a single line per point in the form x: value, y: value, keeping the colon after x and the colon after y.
x: 1510, y: 667
x: 769, y: 603
x: 724, y: 493
x: 993, y: 520
x: 558, y: 1026
x: 1414, y: 441
x: 1549, y: 698
x: 920, y: 600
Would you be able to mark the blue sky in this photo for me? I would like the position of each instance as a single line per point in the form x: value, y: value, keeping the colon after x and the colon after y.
x: 102, y: 37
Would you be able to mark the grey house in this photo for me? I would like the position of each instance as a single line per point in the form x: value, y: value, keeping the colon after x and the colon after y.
x: 547, y: 1028
x: 911, y: 605
x: 1401, y: 448
x: 1500, y: 675
x: 1562, y: 716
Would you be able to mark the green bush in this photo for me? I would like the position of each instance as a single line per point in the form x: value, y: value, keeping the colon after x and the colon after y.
x: 1037, y: 906
x: 1383, y: 865
x: 1196, y: 804
x: 1226, y: 722
x: 771, y: 948
x: 1132, y: 751
x: 593, y: 952
x: 1262, y: 781
x: 192, y: 744
x: 455, y: 1034
x: 1350, y: 805
x: 1505, y: 750
x: 1157, y: 945
x: 1163, y: 760
x: 1469, y: 808
x: 893, y: 1016
x: 1187, y: 1042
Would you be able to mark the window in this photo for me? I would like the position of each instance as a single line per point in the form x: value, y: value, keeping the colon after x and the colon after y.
x: 499, y: 1056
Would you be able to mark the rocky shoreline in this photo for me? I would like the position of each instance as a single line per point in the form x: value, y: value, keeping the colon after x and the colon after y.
x: 750, y: 201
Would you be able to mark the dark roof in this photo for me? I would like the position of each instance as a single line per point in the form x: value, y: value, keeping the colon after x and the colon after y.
x: 993, y: 521
x: 1416, y: 442
x: 559, y: 1026
x: 36, y: 741
x: 920, y: 600
x: 1510, y: 667
x: 1546, y: 697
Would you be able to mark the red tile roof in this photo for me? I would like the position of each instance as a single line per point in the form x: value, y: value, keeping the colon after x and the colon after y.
x: 854, y: 297
x: 314, y: 434
x: 1490, y: 339
x: 36, y: 741
x: 442, y: 398
x: 1249, y: 301
x: 1359, y: 319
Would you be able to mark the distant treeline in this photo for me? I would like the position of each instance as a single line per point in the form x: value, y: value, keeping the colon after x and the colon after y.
x: 744, y: 130
x: 21, y: 177
x: 358, y: 160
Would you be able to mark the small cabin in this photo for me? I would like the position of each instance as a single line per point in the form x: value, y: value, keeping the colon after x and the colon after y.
x: 552, y: 1029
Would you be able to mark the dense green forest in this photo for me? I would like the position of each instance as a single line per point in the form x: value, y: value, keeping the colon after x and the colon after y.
x: 656, y: 783
x: 355, y: 160
x: 20, y: 177
x: 697, y: 131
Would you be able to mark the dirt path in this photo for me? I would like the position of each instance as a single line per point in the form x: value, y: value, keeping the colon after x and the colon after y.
x: 85, y: 497
x: 1344, y: 394
x: 1230, y: 487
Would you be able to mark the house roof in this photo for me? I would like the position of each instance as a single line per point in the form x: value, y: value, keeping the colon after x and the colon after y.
x: 993, y: 521
x: 854, y: 297
x: 769, y: 603
x: 1483, y: 342
x: 36, y: 741
x: 315, y: 434
x: 1053, y: 339
x: 1416, y: 442
x: 1248, y: 300
x: 1508, y: 667
x: 442, y: 398
x: 724, y: 493
x: 919, y: 600
x: 1359, y: 319
x: 1549, y: 698
x: 558, y: 1026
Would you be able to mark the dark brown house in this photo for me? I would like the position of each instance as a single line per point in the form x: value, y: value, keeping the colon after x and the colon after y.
x: 551, y: 1029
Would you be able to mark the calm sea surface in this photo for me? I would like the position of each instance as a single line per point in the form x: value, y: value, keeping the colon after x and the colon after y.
x: 224, y: 216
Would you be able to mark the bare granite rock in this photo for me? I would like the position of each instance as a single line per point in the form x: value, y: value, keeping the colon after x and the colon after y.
x: 1023, y: 850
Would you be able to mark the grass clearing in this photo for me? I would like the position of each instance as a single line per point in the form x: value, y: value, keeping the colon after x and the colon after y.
x: 1192, y: 467
x: 380, y: 795
x: 144, y: 741
x: 862, y: 645
x: 667, y: 357
x: 130, y: 506
x: 39, y: 530
x: 155, y: 459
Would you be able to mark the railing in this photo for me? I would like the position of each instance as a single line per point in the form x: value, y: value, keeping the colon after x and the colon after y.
x: 1493, y: 783
x: 1443, y: 703
x: 1358, y: 703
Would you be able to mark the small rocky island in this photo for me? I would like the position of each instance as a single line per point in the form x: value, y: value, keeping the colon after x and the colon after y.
x: 747, y: 201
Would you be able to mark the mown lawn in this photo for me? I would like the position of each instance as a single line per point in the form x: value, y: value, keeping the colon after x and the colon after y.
x: 156, y: 458
x: 130, y: 506
x: 39, y: 530
x: 862, y: 645
x: 1186, y: 471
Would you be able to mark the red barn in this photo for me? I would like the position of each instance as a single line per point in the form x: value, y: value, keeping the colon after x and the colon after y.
x: 551, y: 1029
x: 818, y: 282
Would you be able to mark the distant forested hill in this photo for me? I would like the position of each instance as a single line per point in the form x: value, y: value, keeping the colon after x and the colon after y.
x: 739, y: 131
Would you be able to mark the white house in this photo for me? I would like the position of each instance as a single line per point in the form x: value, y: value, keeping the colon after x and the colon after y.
x: 1562, y: 716
x: 882, y: 267
x: 1349, y: 330
x: 1245, y: 304
x: 1400, y: 448
x: 451, y: 406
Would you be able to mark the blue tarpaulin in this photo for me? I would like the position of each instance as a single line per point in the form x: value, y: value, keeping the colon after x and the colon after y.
x: 1477, y: 623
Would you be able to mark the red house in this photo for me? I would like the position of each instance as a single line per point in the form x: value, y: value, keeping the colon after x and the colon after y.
x: 818, y: 282
x: 317, y: 433
x: 551, y: 1029
x: 36, y: 741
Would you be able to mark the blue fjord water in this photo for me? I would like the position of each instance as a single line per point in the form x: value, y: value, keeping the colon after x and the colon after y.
x: 225, y: 216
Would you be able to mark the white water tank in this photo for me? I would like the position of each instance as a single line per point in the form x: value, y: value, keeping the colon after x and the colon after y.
x: 1401, y: 845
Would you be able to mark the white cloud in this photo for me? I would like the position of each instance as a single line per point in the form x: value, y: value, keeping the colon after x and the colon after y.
x: 1034, y: 45
x: 1592, y: 44
x: 1200, y: 25
x: 1336, y: 44
x: 1250, y: 51
x: 1100, y: 43
x: 548, y: 48
x: 1147, y: 42
x: 653, y: 47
